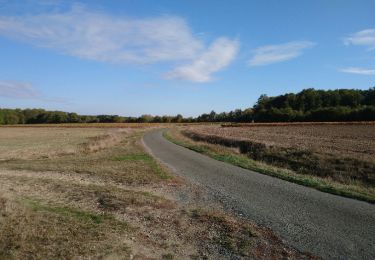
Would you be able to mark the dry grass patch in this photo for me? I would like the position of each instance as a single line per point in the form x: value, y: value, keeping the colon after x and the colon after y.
x: 107, y: 163
x: 100, y: 142
x: 230, y: 234
x: 236, y: 238
x: 30, y: 228
x: 34, y: 143
x: 101, y: 198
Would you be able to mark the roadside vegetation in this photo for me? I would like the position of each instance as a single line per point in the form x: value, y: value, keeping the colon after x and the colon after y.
x: 68, y: 193
x: 338, y: 159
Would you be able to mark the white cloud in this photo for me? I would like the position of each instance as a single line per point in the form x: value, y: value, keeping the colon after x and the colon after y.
x: 101, y: 37
x: 105, y: 38
x: 363, y: 38
x: 270, y: 54
x: 356, y: 70
x: 219, y: 55
x: 18, y: 90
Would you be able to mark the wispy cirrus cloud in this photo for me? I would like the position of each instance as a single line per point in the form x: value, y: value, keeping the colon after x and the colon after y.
x: 270, y: 54
x: 25, y: 90
x: 106, y: 38
x: 18, y: 90
x: 357, y: 70
x: 219, y: 55
x: 101, y: 37
x: 362, y: 38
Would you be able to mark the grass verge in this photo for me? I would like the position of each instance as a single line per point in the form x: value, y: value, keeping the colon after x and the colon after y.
x: 229, y: 156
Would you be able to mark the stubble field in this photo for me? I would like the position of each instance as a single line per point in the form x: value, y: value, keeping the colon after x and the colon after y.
x: 96, y: 193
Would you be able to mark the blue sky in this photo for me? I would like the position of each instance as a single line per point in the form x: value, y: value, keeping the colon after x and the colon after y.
x: 135, y: 57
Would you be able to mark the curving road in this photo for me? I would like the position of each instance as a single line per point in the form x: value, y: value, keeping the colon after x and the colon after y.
x: 326, y: 225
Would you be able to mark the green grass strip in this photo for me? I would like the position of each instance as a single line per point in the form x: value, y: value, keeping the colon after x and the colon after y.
x: 65, y: 211
x: 146, y: 158
x: 133, y: 157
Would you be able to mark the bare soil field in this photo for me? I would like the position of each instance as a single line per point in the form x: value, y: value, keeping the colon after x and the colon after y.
x: 339, y: 153
x: 68, y: 193
x: 345, y: 140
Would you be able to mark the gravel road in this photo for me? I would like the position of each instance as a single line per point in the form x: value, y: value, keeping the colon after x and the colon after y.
x: 326, y: 225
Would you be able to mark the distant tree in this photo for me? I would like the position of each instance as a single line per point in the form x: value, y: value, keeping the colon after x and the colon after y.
x: 177, y: 119
x: 157, y: 119
x: 262, y: 102
x: 166, y: 119
x: 73, y: 118
x: 369, y: 97
x: 146, y: 119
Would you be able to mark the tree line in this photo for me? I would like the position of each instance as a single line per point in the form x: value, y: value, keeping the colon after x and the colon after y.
x: 307, y: 105
x: 41, y: 116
